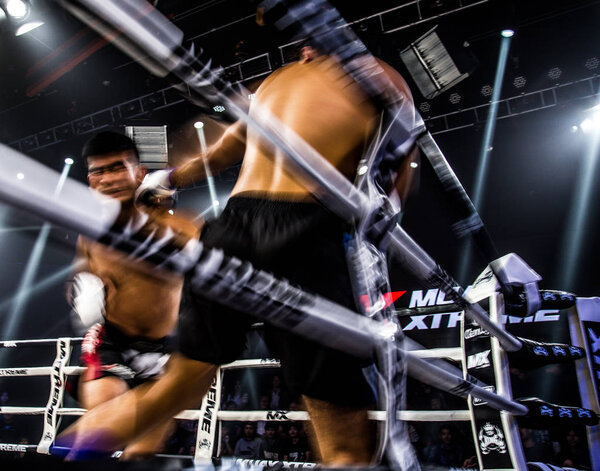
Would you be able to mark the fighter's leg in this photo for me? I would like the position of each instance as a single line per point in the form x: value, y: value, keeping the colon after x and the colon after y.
x: 345, y: 436
x: 122, y: 420
x: 95, y: 392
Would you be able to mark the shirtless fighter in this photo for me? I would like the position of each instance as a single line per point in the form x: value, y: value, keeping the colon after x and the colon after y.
x: 132, y: 309
x: 274, y: 222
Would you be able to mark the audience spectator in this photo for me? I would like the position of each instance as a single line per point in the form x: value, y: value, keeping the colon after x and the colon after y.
x: 8, y: 431
x: 262, y: 405
x: 272, y: 446
x: 278, y: 397
x: 248, y: 446
x: 574, y: 451
x: 239, y: 397
x: 296, y: 448
x: 447, y: 451
x: 535, y: 447
x: 227, y: 439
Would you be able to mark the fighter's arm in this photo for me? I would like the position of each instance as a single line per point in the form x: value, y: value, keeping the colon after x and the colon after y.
x: 225, y: 153
x: 162, y: 184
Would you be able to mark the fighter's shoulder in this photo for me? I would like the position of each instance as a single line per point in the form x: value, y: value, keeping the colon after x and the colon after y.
x: 396, y: 78
x: 284, y: 69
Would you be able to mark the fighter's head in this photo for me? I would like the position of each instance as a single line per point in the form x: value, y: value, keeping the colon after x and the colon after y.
x: 113, y: 165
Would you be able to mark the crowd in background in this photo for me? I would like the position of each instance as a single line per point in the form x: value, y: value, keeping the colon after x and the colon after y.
x: 438, y: 443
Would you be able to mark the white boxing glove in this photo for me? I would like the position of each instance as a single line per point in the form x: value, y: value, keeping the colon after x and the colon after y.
x: 156, y: 185
x: 87, y: 296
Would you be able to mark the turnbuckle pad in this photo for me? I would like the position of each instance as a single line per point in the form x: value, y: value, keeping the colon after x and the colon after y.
x: 535, y: 354
x: 544, y: 414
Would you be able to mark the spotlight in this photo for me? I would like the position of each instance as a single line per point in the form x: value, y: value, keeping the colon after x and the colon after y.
x: 508, y: 33
x: 20, y: 176
x: 17, y: 9
x: 69, y: 161
x: 414, y: 165
x: 198, y: 124
x: 25, y: 28
x: 591, y: 124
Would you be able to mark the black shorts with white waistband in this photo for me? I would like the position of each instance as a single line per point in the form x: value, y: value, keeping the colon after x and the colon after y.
x: 302, y: 242
x: 107, y: 351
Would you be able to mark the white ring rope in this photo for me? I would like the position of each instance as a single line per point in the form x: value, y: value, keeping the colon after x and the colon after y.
x: 263, y: 415
x: 203, y: 453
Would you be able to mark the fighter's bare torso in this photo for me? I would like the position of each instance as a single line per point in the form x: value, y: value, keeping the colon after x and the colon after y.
x: 139, y: 301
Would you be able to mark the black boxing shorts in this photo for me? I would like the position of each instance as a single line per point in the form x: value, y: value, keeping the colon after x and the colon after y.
x: 302, y: 242
x: 107, y: 351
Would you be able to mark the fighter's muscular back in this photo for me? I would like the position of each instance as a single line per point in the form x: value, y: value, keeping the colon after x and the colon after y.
x: 139, y: 301
x: 323, y: 106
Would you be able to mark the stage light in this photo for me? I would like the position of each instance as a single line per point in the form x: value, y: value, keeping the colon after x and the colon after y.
x: 69, y: 161
x: 592, y: 63
x: 414, y: 165
x: 455, y: 98
x: 437, y: 61
x: 487, y: 90
x: 198, y: 124
x: 587, y: 125
x: 27, y: 27
x: 425, y: 107
x: 592, y: 124
x: 17, y: 9
x: 508, y: 33
x: 520, y: 81
x: 554, y: 73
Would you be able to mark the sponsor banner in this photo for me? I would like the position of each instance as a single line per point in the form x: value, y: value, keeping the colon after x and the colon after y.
x: 14, y: 372
x: 57, y: 387
x: 244, y: 463
x: 442, y: 330
x: 13, y: 447
x: 591, y: 331
x: 585, y: 328
x: 496, y: 437
x: 207, y: 422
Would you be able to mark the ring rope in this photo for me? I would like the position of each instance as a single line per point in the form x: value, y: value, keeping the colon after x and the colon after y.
x: 264, y: 415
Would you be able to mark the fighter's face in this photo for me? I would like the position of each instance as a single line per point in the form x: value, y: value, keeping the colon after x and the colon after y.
x: 116, y: 175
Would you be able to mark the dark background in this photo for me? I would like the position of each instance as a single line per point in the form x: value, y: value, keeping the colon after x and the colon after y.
x: 55, y: 78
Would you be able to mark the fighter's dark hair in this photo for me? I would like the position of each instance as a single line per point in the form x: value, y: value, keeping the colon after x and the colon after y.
x: 108, y: 142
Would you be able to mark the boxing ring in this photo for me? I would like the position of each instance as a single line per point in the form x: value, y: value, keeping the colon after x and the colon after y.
x: 209, y: 415
x: 234, y: 282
